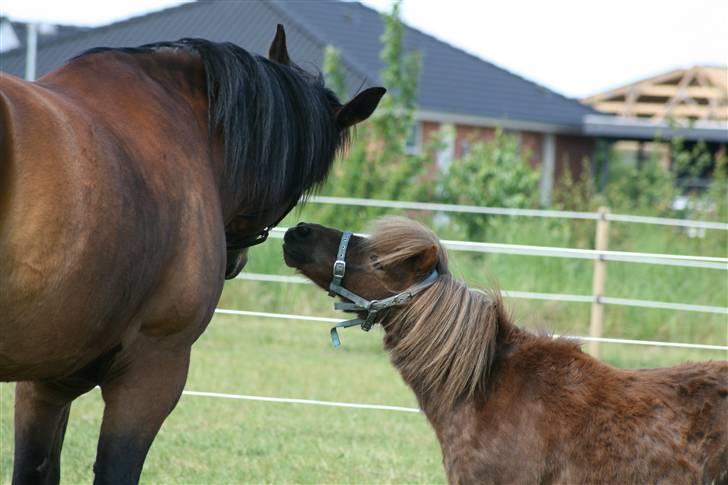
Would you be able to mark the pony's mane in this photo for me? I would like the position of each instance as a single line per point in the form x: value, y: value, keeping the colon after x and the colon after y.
x: 443, y: 342
x: 277, y: 121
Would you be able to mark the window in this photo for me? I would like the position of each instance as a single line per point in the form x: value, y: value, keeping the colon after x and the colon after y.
x: 445, y: 155
x: 414, y: 140
x: 464, y: 147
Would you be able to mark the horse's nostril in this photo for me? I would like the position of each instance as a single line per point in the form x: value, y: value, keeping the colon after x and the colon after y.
x: 303, y: 230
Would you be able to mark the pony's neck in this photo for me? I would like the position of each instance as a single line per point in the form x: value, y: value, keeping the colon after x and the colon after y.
x: 444, y: 343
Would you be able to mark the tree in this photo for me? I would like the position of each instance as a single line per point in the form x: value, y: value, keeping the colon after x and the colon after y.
x: 333, y: 73
x: 377, y: 165
x: 493, y: 173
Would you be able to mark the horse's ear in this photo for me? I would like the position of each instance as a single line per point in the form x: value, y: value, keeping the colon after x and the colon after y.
x: 359, y: 108
x: 278, y: 51
x: 426, y: 260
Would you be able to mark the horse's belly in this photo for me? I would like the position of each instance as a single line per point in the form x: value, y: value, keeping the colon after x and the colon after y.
x: 50, y: 332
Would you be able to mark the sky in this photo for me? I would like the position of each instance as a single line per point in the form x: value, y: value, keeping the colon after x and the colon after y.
x: 575, y: 47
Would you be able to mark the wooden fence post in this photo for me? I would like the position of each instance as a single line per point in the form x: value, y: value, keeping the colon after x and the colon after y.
x: 598, y: 282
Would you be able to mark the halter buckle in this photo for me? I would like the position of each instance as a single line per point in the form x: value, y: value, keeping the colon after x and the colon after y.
x: 339, y: 268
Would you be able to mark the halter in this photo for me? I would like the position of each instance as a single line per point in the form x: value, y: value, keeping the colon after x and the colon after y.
x: 360, y: 304
x: 235, y: 242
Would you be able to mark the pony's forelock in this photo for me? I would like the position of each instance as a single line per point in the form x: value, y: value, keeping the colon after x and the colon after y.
x: 395, y: 239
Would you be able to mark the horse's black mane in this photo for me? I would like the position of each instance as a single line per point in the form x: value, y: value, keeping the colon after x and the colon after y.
x: 277, y: 122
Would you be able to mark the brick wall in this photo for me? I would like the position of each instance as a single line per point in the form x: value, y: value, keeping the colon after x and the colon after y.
x: 571, y: 150
x: 532, y: 143
x: 464, y: 135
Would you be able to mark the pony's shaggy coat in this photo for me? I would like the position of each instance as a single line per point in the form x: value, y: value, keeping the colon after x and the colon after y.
x: 509, y: 406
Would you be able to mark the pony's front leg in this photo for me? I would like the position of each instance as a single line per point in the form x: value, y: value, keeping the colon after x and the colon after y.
x: 138, y: 399
x: 41, y: 415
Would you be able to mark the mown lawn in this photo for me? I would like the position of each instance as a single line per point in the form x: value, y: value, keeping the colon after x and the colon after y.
x: 211, y: 440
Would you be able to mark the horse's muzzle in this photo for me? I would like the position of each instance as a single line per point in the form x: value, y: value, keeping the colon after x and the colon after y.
x: 236, y: 261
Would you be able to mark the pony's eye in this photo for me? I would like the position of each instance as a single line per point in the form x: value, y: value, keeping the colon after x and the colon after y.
x: 375, y: 262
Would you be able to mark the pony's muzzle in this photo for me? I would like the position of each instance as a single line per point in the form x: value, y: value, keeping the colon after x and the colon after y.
x: 295, y: 243
x: 297, y: 233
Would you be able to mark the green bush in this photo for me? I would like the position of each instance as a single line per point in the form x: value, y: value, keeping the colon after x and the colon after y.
x: 493, y: 173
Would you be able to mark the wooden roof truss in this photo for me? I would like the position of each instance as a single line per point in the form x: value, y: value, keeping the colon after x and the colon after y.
x: 698, y: 93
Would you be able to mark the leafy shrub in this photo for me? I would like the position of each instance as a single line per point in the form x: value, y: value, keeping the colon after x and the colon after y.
x: 493, y: 173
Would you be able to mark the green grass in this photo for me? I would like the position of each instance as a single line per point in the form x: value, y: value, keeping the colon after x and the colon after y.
x: 208, y: 440
x: 211, y: 440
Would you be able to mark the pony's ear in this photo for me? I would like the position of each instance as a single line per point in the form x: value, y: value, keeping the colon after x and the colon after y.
x: 359, y: 108
x: 426, y: 260
x: 278, y: 51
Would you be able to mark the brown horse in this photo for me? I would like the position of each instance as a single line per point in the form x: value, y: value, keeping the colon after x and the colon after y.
x: 131, y: 183
x: 509, y: 406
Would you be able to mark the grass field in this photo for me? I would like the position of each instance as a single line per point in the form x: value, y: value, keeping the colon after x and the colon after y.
x: 211, y: 440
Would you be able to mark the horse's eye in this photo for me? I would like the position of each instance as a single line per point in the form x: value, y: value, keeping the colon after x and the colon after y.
x: 375, y: 262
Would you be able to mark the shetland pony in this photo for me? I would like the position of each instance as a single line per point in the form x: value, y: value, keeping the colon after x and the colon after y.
x: 132, y: 182
x: 509, y: 406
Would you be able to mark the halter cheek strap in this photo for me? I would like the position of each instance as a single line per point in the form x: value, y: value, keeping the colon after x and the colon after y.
x: 360, y: 304
x: 340, y: 263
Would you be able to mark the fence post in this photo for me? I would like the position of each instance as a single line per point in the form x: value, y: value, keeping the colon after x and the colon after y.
x: 600, y: 276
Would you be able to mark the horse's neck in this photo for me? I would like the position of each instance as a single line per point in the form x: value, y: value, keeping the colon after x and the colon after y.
x: 170, y: 84
x: 178, y: 74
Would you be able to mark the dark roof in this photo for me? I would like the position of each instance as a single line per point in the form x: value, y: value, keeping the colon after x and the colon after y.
x: 452, y: 81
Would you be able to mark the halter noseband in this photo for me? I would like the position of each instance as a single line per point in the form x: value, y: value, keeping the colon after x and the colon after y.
x: 360, y: 304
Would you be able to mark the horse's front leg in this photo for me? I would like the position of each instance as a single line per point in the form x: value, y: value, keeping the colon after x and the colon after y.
x: 143, y: 389
x: 41, y: 415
